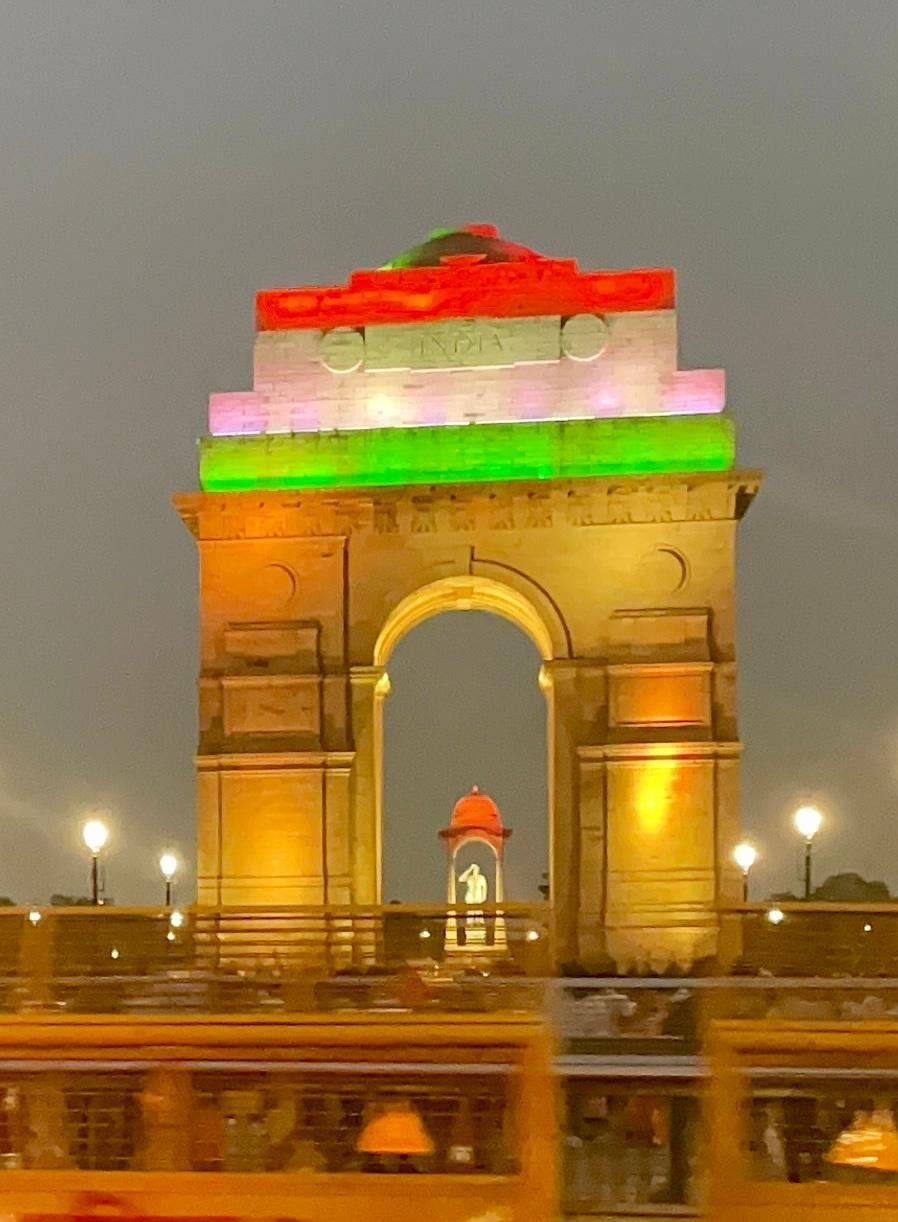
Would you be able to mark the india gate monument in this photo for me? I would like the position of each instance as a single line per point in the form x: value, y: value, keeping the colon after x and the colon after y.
x: 474, y: 426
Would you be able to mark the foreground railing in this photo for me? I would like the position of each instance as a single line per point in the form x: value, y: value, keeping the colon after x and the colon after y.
x: 111, y: 960
x: 629, y: 1049
x: 802, y: 1121
x: 279, y: 1118
x: 812, y: 938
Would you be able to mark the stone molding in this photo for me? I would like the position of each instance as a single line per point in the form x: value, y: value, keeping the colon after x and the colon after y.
x: 638, y: 753
x: 470, y: 508
x: 258, y: 761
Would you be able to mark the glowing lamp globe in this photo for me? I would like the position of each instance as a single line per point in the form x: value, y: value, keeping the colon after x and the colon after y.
x: 95, y: 835
x: 745, y: 855
x: 807, y: 820
x: 776, y: 916
x: 168, y: 864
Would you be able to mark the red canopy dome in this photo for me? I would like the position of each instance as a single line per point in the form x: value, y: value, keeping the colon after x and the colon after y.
x: 476, y: 812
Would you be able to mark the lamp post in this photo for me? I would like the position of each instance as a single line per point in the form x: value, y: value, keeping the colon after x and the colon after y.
x: 745, y: 855
x: 168, y: 865
x: 807, y: 820
x: 95, y: 835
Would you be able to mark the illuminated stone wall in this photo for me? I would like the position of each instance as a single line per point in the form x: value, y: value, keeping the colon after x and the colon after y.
x: 626, y: 587
x: 466, y: 370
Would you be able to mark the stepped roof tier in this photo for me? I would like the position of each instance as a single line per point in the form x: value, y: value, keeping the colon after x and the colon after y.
x: 467, y: 358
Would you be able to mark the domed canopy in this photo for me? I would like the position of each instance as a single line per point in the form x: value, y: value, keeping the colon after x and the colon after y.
x: 470, y: 244
x: 476, y: 812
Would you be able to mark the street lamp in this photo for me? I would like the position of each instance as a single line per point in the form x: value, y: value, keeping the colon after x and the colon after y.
x: 807, y: 820
x: 168, y: 864
x: 95, y: 835
x: 745, y: 855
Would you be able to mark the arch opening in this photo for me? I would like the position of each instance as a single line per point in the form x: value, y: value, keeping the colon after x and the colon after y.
x: 467, y: 592
x: 466, y: 708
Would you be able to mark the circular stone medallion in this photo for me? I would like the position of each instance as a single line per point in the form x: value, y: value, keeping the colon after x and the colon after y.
x: 275, y: 586
x: 342, y: 350
x: 663, y: 570
x: 584, y: 337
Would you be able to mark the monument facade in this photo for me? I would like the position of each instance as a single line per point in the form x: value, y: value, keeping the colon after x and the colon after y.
x: 474, y: 426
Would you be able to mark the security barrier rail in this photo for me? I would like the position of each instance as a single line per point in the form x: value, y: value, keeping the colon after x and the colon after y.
x: 295, y: 1117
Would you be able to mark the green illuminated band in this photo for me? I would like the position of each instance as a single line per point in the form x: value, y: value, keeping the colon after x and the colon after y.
x: 469, y: 453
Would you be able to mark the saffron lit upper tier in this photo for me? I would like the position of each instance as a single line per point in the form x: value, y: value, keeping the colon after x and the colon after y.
x: 466, y: 328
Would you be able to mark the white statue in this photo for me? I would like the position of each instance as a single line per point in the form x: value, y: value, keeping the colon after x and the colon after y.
x: 475, y: 892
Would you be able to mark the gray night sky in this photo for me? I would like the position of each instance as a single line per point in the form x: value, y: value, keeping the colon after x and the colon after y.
x: 162, y: 161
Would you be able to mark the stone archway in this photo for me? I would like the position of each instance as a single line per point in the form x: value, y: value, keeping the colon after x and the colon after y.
x: 460, y: 593
x: 474, y: 424
x: 471, y: 592
x: 638, y: 669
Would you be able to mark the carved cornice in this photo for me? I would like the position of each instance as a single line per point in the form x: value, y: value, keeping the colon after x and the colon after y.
x: 459, y: 509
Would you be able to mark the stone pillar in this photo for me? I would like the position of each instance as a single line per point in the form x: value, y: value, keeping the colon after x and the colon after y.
x: 574, y: 690
x: 500, y: 938
x: 369, y: 687
x: 451, y: 939
x: 662, y: 851
x: 592, y: 860
x: 279, y: 826
x: 558, y: 681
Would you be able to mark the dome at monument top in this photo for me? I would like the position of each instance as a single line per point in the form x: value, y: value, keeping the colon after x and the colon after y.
x: 467, y: 245
x: 476, y: 810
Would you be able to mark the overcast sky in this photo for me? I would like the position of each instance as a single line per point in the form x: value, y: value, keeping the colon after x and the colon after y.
x: 162, y: 161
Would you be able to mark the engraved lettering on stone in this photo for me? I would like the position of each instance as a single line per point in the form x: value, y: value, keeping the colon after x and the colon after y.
x: 460, y: 343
